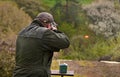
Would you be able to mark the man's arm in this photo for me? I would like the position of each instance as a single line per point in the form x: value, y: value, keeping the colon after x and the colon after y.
x: 55, y: 39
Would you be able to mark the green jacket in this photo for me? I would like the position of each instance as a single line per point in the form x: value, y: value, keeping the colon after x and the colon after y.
x: 34, y: 50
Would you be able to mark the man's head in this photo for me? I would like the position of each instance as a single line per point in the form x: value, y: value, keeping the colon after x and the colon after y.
x: 46, y: 19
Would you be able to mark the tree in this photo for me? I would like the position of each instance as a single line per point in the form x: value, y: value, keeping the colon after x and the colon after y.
x: 32, y: 7
x: 105, y: 18
x: 67, y: 11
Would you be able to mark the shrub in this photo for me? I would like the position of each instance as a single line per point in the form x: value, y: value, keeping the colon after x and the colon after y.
x: 12, y: 19
x: 7, y: 63
x: 105, y: 18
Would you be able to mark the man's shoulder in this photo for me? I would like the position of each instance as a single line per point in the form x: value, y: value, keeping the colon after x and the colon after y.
x: 37, y: 28
x: 33, y: 31
x: 41, y: 29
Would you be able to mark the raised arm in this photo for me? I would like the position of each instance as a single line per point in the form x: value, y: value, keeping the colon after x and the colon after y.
x: 56, y: 39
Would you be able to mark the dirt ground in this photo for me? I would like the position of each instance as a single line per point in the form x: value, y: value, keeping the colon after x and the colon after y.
x: 92, y: 68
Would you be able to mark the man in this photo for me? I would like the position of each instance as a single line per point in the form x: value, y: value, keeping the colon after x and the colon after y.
x: 35, y: 46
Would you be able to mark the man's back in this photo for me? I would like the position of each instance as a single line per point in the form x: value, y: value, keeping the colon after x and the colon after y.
x: 34, y: 50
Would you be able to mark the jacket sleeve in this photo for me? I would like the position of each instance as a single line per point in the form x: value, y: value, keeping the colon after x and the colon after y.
x: 55, y: 39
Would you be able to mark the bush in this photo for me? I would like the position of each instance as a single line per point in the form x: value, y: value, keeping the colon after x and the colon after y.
x: 105, y: 18
x: 7, y: 63
x: 32, y: 7
x: 12, y: 19
x: 68, y: 29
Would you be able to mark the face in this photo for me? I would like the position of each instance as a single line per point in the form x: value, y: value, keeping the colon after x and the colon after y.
x: 50, y: 26
x: 47, y: 25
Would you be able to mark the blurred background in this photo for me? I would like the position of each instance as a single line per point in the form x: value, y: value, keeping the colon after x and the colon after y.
x: 93, y: 27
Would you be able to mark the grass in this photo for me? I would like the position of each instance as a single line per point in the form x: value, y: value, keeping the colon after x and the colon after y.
x: 86, y: 1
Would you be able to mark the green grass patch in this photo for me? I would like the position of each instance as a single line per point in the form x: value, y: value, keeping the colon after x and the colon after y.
x: 86, y: 1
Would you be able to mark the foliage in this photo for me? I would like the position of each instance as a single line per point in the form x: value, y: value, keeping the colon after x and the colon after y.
x: 47, y: 3
x: 116, y: 50
x: 91, y: 49
x: 68, y: 29
x: 86, y: 1
x: 7, y: 63
x: 12, y: 19
x: 117, y: 4
x: 57, y: 12
x: 72, y: 20
x: 105, y: 18
x: 80, y: 48
x: 32, y: 7
x: 67, y: 12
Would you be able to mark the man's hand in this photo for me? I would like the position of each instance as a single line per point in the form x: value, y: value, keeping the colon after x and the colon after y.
x: 53, y: 27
